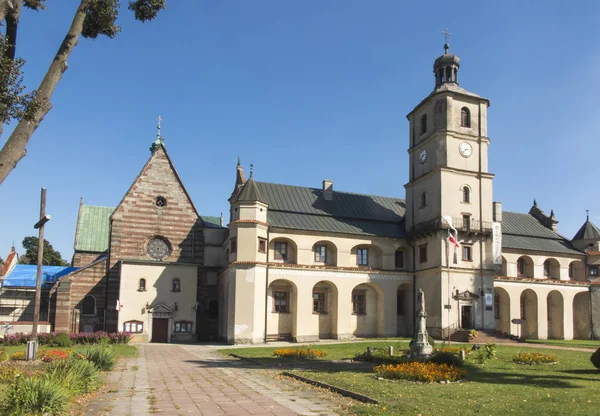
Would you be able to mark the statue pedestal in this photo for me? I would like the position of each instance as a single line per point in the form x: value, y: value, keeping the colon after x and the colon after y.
x: 420, y: 346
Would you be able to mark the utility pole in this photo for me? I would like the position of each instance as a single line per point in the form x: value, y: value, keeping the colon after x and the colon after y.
x: 32, y: 345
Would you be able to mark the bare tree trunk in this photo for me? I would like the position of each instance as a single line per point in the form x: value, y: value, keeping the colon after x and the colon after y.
x: 14, y: 149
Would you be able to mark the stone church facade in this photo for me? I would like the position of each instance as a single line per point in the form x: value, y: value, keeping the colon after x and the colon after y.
x: 306, y: 264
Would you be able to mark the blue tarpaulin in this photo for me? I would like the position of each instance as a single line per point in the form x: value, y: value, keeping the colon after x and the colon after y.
x: 25, y: 275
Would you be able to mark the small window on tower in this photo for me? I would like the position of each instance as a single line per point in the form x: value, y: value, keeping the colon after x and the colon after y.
x: 160, y: 202
x: 423, y: 199
x: 465, y: 117
x: 466, y: 195
x: 424, y: 124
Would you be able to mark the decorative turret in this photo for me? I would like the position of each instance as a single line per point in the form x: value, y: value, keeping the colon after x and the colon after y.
x: 240, y: 180
x: 445, y: 68
x: 159, y: 139
x: 547, y: 221
x: 588, y: 236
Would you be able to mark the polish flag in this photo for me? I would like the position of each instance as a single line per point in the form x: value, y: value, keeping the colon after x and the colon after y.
x: 452, y: 239
x: 118, y: 308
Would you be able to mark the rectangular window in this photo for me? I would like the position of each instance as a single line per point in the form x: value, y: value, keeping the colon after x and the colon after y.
x: 280, y: 251
x: 496, y: 307
x: 321, y: 254
x: 319, y: 303
x: 233, y: 245
x: 523, y: 308
x: 362, y: 257
x: 359, y: 303
x: 399, y: 259
x: 594, y: 271
x: 423, y: 253
x: 280, y: 302
x: 134, y: 327
x: 520, y: 267
x: 467, y: 222
x: 183, y: 327
x: 262, y: 245
x: 467, y: 253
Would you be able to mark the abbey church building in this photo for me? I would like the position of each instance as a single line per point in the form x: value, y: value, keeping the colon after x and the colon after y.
x: 304, y: 264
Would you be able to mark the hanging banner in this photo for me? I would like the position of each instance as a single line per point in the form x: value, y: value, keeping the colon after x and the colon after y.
x: 497, y: 242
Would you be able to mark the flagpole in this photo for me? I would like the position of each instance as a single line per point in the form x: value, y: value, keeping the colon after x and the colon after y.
x: 448, y: 268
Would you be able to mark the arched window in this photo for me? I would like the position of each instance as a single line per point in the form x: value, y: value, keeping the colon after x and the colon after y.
x: 424, y: 124
x: 547, y: 269
x: 142, y: 285
x: 466, y: 194
x: 423, y: 199
x: 213, y: 309
x: 176, y: 285
x: 465, y: 117
x: 88, y: 306
x: 521, y: 267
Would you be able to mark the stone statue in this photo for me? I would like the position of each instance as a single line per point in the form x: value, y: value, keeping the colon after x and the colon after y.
x: 420, y: 344
x: 420, y: 301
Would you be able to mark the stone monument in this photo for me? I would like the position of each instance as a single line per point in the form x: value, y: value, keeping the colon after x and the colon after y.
x: 420, y: 345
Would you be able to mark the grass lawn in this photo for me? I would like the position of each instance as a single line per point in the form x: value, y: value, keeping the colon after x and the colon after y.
x: 576, y: 343
x: 496, y: 388
x: 122, y: 350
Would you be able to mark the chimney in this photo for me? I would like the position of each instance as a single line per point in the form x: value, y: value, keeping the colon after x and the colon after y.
x: 327, y: 190
x: 497, y: 211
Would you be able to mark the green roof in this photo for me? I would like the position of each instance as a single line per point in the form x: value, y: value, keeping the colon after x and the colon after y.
x: 525, y: 232
x: 93, y: 228
x: 296, y: 207
x: 588, y: 231
x: 212, y: 222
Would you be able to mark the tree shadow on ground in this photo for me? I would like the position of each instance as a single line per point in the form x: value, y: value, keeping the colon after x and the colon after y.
x: 275, y: 363
x: 582, y: 371
x: 524, y: 378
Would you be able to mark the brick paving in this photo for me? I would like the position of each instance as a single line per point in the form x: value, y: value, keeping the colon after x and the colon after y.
x: 172, y: 379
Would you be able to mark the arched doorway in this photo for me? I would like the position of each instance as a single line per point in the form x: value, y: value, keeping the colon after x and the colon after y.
x: 367, y: 310
x: 581, y: 316
x: 556, y: 320
x: 325, y: 307
x: 502, y: 310
x: 281, y: 309
x: 404, y: 314
x: 529, y: 307
x: 577, y: 270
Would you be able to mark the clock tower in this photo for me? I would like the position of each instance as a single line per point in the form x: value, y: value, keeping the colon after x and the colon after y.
x: 448, y: 177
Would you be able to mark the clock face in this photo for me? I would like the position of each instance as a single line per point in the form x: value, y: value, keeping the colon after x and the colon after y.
x: 423, y: 156
x: 465, y: 149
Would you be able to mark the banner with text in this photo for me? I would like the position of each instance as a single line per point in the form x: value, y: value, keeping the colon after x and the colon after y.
x: 497, y: 242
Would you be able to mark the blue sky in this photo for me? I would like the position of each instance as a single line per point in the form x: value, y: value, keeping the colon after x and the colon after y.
x: 306, y: 91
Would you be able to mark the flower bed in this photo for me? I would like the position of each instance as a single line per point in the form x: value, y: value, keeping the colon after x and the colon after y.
x: 532, y: 358
x: 49, y: 356
x: 300, y: 353
x: 58, y: 339
x: 419, y: 371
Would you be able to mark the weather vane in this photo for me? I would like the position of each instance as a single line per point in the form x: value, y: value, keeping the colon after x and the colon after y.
x: 158, y: 127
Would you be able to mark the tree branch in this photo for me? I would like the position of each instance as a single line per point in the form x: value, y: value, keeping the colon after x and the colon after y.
x: 15, y: 147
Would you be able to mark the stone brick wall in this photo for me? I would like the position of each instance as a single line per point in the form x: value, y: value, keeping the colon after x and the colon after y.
x: 137, y: 219
x: 83, y: 258
x: 68, y: 294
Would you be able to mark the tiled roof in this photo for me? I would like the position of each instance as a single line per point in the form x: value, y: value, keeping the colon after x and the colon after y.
x: 249, y: 192
x: 211, y: 222
x: 525, y: 232
x: 305, y: 209
x: 93, y: 228
x: 8, y: 262
x: 593, y: 253
x: 588, y: 231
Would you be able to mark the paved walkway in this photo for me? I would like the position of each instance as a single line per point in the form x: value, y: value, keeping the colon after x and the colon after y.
x: 172, y: 379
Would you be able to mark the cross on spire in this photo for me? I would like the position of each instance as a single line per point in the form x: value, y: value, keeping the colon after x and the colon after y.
x: 587, y: 214
x: 446, y: 34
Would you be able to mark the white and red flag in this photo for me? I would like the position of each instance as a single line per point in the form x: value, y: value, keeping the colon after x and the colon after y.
x: 118, y: 308
x: 451, y: 238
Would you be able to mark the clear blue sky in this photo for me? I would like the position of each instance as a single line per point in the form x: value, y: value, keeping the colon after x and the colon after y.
x: 283, y: 83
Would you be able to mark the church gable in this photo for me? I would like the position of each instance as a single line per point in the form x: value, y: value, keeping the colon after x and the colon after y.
x: 156, y: 219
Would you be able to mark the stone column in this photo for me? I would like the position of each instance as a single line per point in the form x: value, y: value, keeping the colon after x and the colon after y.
x: 568, y: 315
x: 304, y: 331
x: 542, y: 315
x: 344, y: 311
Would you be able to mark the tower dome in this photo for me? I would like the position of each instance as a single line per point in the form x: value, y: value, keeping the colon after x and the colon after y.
x: 445, y: 68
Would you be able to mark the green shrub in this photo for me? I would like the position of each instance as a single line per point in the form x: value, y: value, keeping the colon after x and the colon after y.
x: 430, y: 340
x: 490, y: 350
x: 61, y: 340
x: 76, y: 376
x: 381, y: 356
x: 3, y: 355
x: 36, y: 395
x: 102, y: 356
x: 595, y: 359
x: 445, y: 357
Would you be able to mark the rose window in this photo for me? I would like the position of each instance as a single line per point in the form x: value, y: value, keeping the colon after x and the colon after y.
x: 158, y: 248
